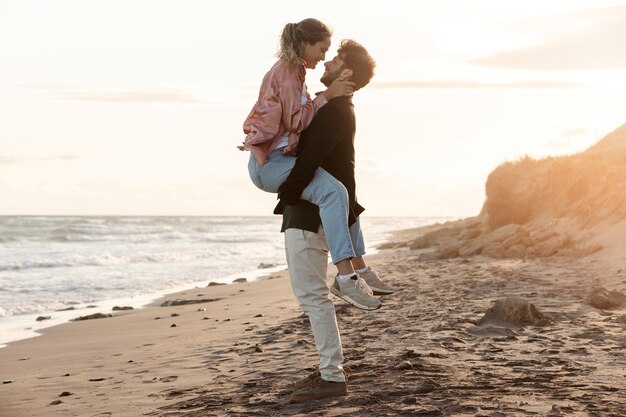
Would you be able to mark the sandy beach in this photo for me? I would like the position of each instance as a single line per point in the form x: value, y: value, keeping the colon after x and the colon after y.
x: 519, y: 311
x: 426, y: 352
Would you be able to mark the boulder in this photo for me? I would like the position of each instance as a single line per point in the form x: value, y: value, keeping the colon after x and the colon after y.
x: 515, y: 310
x: 603, y: 299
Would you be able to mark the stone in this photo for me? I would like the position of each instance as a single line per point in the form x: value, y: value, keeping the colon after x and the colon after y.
x: 42, y: 318
x: 170, y: 303
x: 515, y: 310
x: 93, y: 316
x: 510, y: 233
x: 403, y: 366
x: 603, y: 299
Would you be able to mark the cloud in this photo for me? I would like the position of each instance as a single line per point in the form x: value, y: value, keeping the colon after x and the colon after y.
x: 6, y: 160
x: 581, y: 131
x: 570, y: 139
x: 9, y: 159
x: 134, y: 97
x: 599, y: 46
x: 114, y: 94
x: 539, y: 84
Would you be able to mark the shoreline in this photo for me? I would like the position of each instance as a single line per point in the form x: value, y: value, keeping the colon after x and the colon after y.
x: 424, y: 352
x: 26, y: 326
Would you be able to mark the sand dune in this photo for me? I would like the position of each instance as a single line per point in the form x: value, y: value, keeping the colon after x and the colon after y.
x: 563, y: 206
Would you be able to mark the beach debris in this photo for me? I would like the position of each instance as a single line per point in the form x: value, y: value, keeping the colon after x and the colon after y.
x: 91, y: 306
x: 427, y: 386
x: 174, y: 314
x: 410, y: 353
x: 603, y: 299
x: 264, y: 265
x: 92, y: 317
x: 8, y: 381
x: 96, y: 379
x: 173, y: 325
x: 67, y: 309
x: 24, y: 359
x: 170, y: 303
x: 56, y: 402
x: 258, y: 348
x: 201, y: 309
x: 66, y: 394
x: 118, y: 308
x: 213, y: 284
x: 404, y: 365
x: 42, y: 318
x: 515, y: 310
x: 240, y: 280
x: 259, y: 315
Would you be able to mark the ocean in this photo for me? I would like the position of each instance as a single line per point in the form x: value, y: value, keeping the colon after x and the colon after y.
x: 88, y: 264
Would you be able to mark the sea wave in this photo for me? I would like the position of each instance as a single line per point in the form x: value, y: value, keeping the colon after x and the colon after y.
x: 108, y: 260
x: 47, y: 261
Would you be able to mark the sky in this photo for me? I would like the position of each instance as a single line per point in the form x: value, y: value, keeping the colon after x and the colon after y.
x: 135, y: 107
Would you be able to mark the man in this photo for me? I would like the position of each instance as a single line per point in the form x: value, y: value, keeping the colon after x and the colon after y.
x: 328, y: 143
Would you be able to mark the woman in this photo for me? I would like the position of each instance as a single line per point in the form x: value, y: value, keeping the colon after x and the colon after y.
x: 283, y: 110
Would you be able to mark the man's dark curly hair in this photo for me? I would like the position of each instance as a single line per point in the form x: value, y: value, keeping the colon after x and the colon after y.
x: 356, y: 58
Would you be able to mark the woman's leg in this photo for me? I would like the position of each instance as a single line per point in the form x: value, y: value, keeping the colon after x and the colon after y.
x: 331, y: 197
x: 325, y: 191
x: 273, y: 173
x: 358, y: 244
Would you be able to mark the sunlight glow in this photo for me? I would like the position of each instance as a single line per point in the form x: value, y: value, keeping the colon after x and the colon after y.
x: 135, y: 106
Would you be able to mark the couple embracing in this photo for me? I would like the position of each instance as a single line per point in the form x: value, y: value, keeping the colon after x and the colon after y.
x: 303, y: 149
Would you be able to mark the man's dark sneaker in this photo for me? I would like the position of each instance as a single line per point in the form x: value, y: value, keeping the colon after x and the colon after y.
x: 301, y: 383
x: 319, y: 389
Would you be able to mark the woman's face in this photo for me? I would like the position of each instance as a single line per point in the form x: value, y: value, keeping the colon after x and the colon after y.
x: 312, y: 53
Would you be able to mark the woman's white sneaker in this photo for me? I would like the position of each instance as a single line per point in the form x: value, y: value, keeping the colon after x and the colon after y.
x: 356, y: 292
x: 375, y: 283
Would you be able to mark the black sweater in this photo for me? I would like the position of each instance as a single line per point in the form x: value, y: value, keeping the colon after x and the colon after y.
x: 328, y: 142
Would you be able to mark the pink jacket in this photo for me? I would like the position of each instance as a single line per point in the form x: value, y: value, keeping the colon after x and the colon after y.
x: 279, y: 110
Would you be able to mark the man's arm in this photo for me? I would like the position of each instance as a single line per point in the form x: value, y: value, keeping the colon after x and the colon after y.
x: 322, y: 137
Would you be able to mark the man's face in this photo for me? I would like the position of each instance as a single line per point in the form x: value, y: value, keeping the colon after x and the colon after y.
x: 333, y: 70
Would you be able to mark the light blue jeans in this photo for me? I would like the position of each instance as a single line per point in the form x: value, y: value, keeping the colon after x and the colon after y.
x: 326, y: 192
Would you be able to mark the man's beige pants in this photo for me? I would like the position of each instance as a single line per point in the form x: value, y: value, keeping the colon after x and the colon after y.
x: 307, y: 259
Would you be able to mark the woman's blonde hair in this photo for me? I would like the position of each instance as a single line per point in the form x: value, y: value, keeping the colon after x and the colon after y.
x: 309, y: 30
